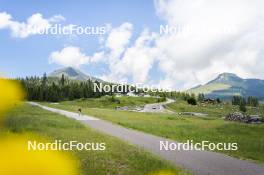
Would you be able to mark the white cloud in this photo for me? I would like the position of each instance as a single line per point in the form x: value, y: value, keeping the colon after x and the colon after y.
x: 57, y: 18
x: 34, y: 23
x: 4, y: 20
x: 72, y: 56
x: 98, y: 56
x: 200, y: 55
x: 136, y: 61
x: 127, y: 60
x: 69, y: 56
x: 190, y: 58
x: 112, y: 47
x: 118, y: 39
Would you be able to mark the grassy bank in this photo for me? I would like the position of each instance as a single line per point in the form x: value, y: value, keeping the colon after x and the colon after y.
x: 250, y: 138
x: 213, y: 110
x: 118, y: 158
x: 110, y: 102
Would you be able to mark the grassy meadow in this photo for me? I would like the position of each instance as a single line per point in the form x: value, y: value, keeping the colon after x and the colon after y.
x: 213, y: 110
x: 119, y: 158
x: 213, y: 128
x: 111, y: 103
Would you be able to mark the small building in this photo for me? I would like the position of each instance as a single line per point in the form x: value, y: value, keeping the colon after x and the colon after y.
x: 119, y: 95
x: 209, y: 101
x: 131, y: 94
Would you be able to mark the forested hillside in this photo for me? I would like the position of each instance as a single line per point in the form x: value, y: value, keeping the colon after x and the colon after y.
x: 57, y: 89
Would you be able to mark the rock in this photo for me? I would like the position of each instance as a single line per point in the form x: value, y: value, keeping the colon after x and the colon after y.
x: 193, y: 113
x: 125, y: 108
x: 239, y: 117
x: 255, y: 119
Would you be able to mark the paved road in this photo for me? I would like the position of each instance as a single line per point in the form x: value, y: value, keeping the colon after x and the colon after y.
x: 156, y: 107
x: 198, y: 162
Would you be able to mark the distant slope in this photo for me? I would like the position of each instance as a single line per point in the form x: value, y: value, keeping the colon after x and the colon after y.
x: 72, y: 73
x: 227, y: 85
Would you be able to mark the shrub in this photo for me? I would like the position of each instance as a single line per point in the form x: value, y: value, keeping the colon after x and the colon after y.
x: 192, y: 101
x: 242, y: 107
x: 114, y: 100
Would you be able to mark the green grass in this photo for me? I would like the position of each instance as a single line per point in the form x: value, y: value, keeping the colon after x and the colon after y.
x: 118, y: 158
x: 107, y: 102
x: 250, y: 138
x: 209, y: 88
x: 217, y: 111
x: 213, y: 111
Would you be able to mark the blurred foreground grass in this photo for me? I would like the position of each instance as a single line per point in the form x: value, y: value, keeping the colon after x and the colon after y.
x: 118, y: 158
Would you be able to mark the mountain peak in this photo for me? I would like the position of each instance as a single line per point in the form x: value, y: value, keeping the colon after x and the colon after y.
x: 69, y: 68
x: 227, y: 78
x: 72, y: 73
x: 227, y: 75
x: 226, y: 85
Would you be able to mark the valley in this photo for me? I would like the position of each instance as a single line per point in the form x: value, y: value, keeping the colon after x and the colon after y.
x: 181, y: 128
x: 197, y: 115
x: 227, y: 85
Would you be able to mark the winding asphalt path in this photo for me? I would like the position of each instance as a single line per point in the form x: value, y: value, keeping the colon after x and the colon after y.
x: 157, y: 107
x: 198, y: 162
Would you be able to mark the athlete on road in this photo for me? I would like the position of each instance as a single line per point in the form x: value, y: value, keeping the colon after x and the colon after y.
x: 80, y: 111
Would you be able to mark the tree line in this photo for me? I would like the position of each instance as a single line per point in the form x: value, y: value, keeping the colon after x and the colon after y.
x: 189, y: 98
x: 53, y: 89
x: 58, y: 89
x: 249, y: 101
x: 242, y: 102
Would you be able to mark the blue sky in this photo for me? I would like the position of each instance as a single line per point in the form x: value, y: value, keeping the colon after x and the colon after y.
x: 217, y: 36
x: 29, y: 56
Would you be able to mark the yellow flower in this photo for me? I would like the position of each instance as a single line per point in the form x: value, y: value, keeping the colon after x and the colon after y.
x: 16, y: 159
x: 11, y: 93
x: 163, y: 172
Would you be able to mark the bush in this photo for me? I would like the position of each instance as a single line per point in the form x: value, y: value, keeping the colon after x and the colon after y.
x: 242, y: 107
x: 192, y: 101
x: 114, y: 100
x: 162, y: 99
